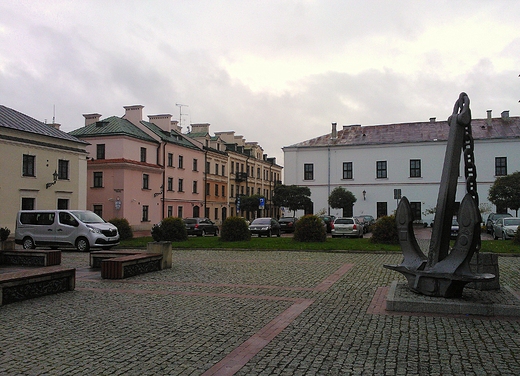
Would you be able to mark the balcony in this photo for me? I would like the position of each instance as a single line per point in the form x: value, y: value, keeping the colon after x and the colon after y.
x: 240, y: 176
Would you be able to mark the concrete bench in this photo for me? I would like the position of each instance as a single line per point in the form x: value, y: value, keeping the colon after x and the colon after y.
x: 96, y: 257
x: 131, y: 265
x: 27, y: 284
x: 30, y: 257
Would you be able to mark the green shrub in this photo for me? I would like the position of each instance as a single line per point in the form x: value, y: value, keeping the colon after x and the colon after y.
x: 385, y: 231
x: 310, y: 228
x: 235, y: 229
x: 123, y: 227
x: 171, y: 229
x: 516, y: 239
x: 4, y: 233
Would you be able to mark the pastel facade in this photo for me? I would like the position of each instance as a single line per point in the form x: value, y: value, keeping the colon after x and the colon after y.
x: 31, y: 152
x: 374, y: 161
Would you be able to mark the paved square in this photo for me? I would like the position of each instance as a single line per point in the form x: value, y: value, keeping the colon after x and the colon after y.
x: 250, y: 313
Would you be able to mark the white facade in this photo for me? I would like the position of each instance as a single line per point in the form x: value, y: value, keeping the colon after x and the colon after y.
x: 398, y: 145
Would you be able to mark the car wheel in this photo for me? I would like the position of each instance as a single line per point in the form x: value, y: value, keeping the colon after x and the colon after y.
x: 504, y: 236
x: 82, y: 244
x: 269, y: 234
x: 361, y: 235
x: 28, y: 243
x: 204, y: 233
x: 495, y: 235
x: 279, y: 233
x: 216, y: 232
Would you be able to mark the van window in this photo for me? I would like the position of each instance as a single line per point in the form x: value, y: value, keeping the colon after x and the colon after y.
x: 37, y: 218
x: 67, y: 219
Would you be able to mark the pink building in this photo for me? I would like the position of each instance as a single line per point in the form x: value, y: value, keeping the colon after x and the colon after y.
x: 141, y: 170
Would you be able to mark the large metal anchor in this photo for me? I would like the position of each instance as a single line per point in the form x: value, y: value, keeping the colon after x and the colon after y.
x: 445, y: 272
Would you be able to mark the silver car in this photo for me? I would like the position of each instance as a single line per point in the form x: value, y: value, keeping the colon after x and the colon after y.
x: 347, y: 227
x: 505, y: 228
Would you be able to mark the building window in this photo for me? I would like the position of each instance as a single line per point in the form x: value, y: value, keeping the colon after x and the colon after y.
x: 195, y: 188
x: 170, y: 211
x: 100, y: 151
x: 382, y: 209
x: 347, y: 170
x: 195, y: 162
x: 143, y: 154
x: 146, y: 181
x: 232, y: 191
x: 170, y: 184
x: 179, y: 211
x: 181, y: 185
x: 28, y: 165
x: 207, y: 167
x: 216, y: 168
x: 381, y: 169
x: 170, y: 160
x: 145, y: 213
x: 98, y: 209
x: 223, y: 191
x: 416, y: 210
x: 223, y: 170
x: 232, y: 167
x: 415, y: 168
x: 63, y: 204
x: 196, y: 211
x: 500, y: 166
x: 98, y: 179
x: 181, y: 161
x: 28, y: 203
x: 258, y: 173
x: 216, y: 213
x: 63, y: 169
x: 308, y: 171
x: 216, y: 190
x: 207, y: 189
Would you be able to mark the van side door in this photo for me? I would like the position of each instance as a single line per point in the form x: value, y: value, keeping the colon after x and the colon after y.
x: 44, y: 231
x: 66, y: 229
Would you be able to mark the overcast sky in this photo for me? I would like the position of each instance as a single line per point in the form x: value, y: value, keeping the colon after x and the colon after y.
x: 277, y: 72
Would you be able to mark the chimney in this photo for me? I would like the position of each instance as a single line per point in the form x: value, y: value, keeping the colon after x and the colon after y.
x: 162, y: 121
x: 334, y: 133
x: 489, y: 118
x: 55, y: 126
x: 505, y: 115
x: 200, y: 128
x: 134, y: 114
x: 91, y: 118
x: 175, y: 125
x: 432, y: 120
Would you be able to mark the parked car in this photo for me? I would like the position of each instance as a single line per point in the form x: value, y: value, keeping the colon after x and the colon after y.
x: 505, y: 227
x: 265, y: 226
x: 329, y: 221
x: 81, y: 229
x: 201, y: 226
x: 347, y: 227
x: 454, y: 228
x: 492, y: 217
x: 287, y: 224
x: 367, y: 221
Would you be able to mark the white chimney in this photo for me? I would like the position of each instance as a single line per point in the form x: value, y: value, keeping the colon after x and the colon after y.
x: 55, y: 126
x: 334, y: 134
x: 91, y: 118
x: 134, y: 114
x: 489, y: 118
x: 162, y: 121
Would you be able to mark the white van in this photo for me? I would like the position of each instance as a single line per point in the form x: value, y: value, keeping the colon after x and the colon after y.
x: 81, y: 229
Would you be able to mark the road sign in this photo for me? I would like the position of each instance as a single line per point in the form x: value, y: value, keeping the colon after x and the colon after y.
x: 262, y: 203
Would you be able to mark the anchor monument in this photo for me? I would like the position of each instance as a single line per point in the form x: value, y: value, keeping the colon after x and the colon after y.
x: 445, y: 272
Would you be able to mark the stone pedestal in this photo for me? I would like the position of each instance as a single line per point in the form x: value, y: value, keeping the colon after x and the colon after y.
x: 164, y: 248
x: 485, y: 263
x: 7, y: 245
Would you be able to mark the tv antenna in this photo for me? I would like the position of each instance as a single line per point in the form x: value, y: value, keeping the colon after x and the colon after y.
x: 180, y: 112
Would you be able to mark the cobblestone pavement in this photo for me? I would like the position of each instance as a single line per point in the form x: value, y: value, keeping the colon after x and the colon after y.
x: 250, y: 313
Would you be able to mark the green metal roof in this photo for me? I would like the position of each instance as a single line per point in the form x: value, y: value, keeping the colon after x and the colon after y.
x: 112, y: 126
x: 173, y: 136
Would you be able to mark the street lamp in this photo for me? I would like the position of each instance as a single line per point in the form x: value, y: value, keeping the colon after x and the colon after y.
x: 54, y: 179
x: 364, y: 194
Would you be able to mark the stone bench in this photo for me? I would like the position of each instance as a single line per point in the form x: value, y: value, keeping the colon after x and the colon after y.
x: 96, y: 257
x: 27, y: 284
x: 30, y: 257
x: 130, y: 265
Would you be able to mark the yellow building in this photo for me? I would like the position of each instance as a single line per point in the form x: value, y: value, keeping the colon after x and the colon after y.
x: 41, y: 166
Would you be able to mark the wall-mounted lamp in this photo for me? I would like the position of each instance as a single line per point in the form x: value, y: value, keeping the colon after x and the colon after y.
x: 54, y: 180
x: 158, y: 193
x: 364, y: 194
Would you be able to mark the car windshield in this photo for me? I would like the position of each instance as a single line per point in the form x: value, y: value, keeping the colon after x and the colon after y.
x: 190, y: 221
x: 512, y: 222
x: 261, y: 221
x: 86, y: 216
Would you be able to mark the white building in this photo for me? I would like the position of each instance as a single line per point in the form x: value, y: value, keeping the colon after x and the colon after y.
x: 374, y: 161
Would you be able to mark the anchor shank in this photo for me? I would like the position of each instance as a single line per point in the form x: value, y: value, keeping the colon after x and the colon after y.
x: 440, y: 239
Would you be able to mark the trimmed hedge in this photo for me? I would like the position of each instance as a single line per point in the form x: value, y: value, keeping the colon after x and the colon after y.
x: 384, y: 231
x: 171, y: 229
x: 309, y: 228
x: 235, y: 229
